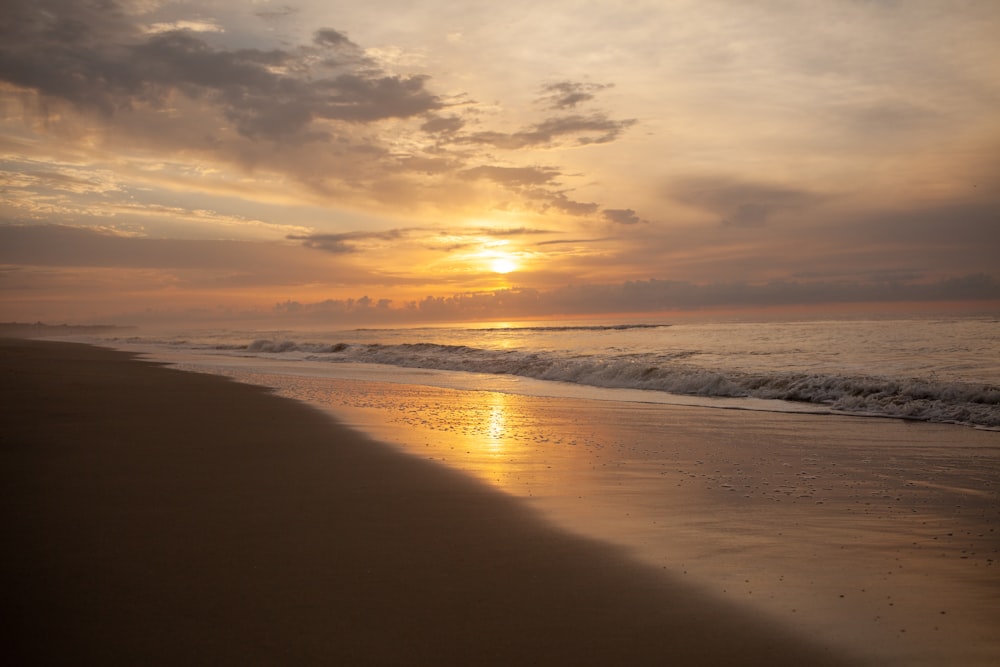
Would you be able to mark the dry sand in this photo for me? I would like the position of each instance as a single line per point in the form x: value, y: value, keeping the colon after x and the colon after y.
x: 157, y: 517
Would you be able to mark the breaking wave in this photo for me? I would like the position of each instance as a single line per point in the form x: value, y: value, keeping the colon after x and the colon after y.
x: 919, y: 399
x: 588, y: 327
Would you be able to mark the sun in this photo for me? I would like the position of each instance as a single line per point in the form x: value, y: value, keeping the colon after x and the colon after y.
x: 503, y: 265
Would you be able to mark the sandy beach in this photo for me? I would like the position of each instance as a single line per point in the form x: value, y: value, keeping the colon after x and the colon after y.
x: 153, y: 516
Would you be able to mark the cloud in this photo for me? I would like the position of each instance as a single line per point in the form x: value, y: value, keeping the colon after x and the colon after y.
x: 512, y: 231
x: 356, y: 241
x: 622, y: 216
x: 593, y: 129
x: 533, y: 183
x: 650, y: 296
x: 967, y: 232
x: 93, y: 266
x: 193, y: 26
x: 751, y: 214
x: 260, y: 93
x: 323, y: 113
x: 99, y: 61
x: 742, y: 203
x: 58, y: 178
x: 572, y: 241
x: 331, y: 37
x: 561, y: 202
x: 512, y: 176
x: 347, y: 242
x: 274, y: 15
x: 206, y: 262
x: 442, y: 124
x: 570, y: 94
x: 362, y: 309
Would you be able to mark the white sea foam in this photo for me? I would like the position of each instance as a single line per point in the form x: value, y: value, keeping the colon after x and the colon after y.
x: 954, y: 402
x: 942, y: 371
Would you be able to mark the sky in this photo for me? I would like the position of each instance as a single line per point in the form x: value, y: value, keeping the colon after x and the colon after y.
x: 390, y: 161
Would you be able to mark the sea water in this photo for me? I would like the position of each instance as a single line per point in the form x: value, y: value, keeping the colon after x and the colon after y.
x: 929, y: 369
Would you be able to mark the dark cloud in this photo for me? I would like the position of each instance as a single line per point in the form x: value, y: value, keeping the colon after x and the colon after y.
x: 569, y: 94
x: 277, y: 14
x: 742, y: 203
x: 89, y: 55
x: 213, y: 262
x: 621, y: 216
x: 54, y: 245
x: 348, y: 242
x: 331, y: 37
x: 592, y: 129
x: 362, y: 308
x: 58, y: 49
x: 442, y: 124
x: 363, y: 99
x: 560, y: 201
x: 653, y: 296
x: 952, y: 236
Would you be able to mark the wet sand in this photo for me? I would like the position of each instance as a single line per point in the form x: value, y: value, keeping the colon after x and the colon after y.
x: 157, y: 517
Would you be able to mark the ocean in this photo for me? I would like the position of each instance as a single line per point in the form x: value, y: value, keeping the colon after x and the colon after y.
x: 936, y: 370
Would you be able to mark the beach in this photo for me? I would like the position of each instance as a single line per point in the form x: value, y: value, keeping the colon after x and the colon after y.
x: 154, y: 516
x: 875, y: 536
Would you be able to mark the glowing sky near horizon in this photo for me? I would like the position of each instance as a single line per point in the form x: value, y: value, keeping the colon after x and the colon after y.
x: 164, y: 159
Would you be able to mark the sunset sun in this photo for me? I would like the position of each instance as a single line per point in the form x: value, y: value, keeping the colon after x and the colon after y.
x: 503, y: 265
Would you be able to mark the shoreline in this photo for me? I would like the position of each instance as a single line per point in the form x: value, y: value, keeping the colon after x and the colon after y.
x: 158, y: 517
x: 503, y: 383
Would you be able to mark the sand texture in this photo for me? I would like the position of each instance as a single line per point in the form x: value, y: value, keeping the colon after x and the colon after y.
x: 157, y: 517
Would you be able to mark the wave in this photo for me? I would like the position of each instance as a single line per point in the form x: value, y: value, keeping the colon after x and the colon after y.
x: 918, y: 399
x: 556, y: 328
x: 583, y: 327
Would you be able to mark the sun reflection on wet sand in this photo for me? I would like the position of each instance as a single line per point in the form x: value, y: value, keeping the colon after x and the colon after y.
x: 497, y: 421
x: 849, y: 529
